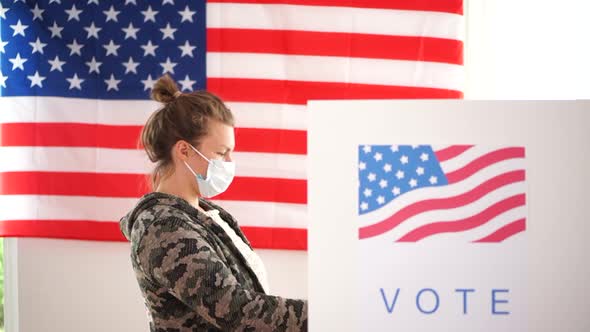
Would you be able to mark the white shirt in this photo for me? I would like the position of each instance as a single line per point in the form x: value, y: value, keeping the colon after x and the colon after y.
x: 251, y: 257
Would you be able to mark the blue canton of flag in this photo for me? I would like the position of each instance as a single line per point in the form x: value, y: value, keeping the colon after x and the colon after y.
x: 100, y: 49
x: 388, y: 171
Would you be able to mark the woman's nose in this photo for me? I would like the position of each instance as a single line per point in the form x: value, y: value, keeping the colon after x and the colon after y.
x: 229, y: 157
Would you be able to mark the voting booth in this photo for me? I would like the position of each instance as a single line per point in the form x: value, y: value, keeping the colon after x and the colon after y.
x: 448, y: 215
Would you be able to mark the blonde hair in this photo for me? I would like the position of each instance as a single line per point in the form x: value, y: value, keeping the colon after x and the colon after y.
x: 183, y: 116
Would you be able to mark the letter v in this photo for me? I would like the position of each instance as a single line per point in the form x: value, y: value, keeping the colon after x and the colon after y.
x: 387, y: 306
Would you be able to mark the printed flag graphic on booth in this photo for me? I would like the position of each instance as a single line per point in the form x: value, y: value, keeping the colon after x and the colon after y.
x: 468, y: 193
x: 75, y: 78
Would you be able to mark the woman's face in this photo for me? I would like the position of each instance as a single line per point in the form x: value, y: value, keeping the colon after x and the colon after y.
x: 217, y: 145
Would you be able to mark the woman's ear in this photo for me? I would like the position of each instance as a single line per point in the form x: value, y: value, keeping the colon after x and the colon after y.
x: 181, y: 150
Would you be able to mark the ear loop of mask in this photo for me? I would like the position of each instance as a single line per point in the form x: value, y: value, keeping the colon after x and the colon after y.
x: 190, y: 168
x: 200, y: 154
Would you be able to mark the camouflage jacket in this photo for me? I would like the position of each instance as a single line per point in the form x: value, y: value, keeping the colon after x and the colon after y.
x: 192, y: 276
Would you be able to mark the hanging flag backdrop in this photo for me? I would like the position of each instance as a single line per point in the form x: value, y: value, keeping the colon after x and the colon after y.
x: 75, y: 78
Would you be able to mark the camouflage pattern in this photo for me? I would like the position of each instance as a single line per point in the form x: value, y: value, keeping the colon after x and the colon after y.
x: 193, y: 278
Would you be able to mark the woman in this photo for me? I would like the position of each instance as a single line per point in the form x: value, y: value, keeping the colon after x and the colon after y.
x: 195, y: 268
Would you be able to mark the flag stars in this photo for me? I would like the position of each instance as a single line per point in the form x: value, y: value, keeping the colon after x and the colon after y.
x: 93, y: 66
x: 55, y: 30
x: 187, y: 49
x: 420, y: 170
x: 131, y: 32
x: 186, y: 15
x: 73, y: 13
x: 111, y: 14
x: 111, y: 48
x: 75, y: 82
x: 112, y: 83
x: 3, y: 79
x: 92, y: 31
x: 2, y: 44
x: 18, y: 62
x: 433, y: 180
x: 93, y: 2
x: 130, y: 2
x: 37, y: 46
x: 3, y: 11
x: 19, y: 29
x: 149, y: 48
x: 36, y: 79
x: 168, y: 32
x: 149, y: 14
x: 364, y: 206
x: 75, y: 48
x: 392, y: 174
x: 130, y: 66
x: 168, y: 67
x: 148, y: 83
x: 362, y: 166
x: 187, y: 84
x: 56, y: 64
x: 399, y: 174
x: 37, y: 12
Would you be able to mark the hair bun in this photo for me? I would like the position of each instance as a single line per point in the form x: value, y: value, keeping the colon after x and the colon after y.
x: 164, y: 90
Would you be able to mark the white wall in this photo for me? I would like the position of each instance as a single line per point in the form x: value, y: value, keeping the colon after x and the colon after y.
x: 527, y: 49
x: 90, y: 286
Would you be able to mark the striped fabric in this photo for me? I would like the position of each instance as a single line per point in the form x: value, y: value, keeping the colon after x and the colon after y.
x: 67, y: 173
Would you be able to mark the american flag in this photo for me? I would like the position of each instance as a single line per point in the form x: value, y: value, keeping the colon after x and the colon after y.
x: 75, y: 78
x: 412, y: 192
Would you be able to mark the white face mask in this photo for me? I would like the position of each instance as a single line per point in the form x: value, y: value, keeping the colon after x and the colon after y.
x: 219, y: 176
